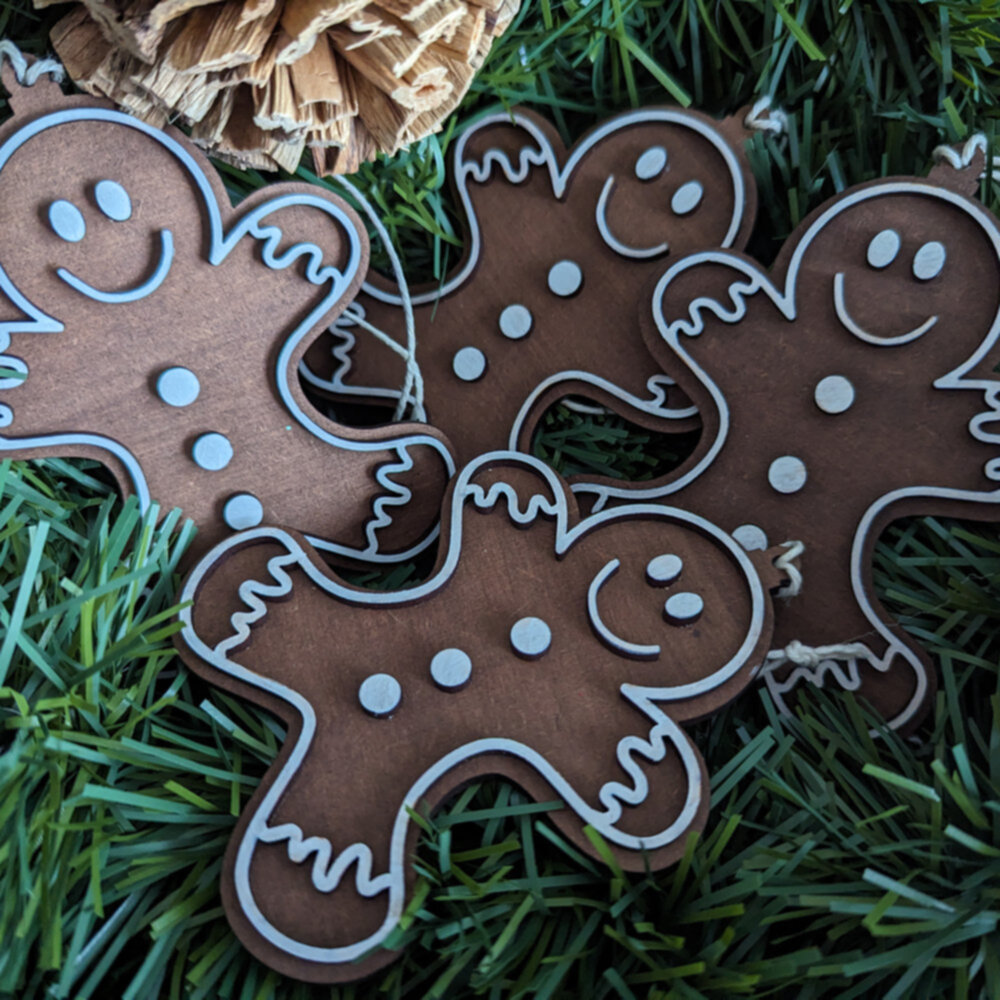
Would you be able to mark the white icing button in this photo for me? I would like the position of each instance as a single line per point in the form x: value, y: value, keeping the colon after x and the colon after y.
x: 469, y: 364
x: 664, y: 569
x: 242, y: 511
x: 683, y: 608
x: 565, y: 278
x: 787, y: 474
x: 178, y: 386
x: 834, y: 394
x: 530, y: 638
x: 515, y: 322
x: 750, y: 537
x: 212, y: 452
x: 66, y: 221
x: 883, y: 248
x: 928, y: 261
x: 113, y: 200
x: 380, y: 694
x: 651, y: 163
x: 687, y: 198
x: 451, y: 669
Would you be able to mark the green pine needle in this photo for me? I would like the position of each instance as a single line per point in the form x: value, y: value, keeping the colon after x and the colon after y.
x: 834, y: 864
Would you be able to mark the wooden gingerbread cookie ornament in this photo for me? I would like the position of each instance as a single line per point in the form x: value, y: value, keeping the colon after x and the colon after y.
x: 151, y: 326
x: 559, y: 246
x: 560, y: 652
x: 851, y: 385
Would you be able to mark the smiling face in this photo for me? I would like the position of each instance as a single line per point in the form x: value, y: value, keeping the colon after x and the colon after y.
x: 86, y: 228
x: 905, y: 265
x: 113, y: 202
x: 667, y: 187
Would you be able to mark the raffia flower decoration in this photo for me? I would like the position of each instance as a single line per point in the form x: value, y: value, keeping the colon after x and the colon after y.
x: 259, y: 81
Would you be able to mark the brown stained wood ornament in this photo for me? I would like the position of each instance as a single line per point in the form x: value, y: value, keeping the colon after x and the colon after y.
x: 562, y: 653
x: 850, y: 385
x: 560, y: 246
x: 150, y: 326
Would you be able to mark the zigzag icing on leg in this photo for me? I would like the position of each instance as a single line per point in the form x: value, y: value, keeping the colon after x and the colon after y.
x: 613, y: 795
x: 816, y: 664
x: 251, y: 593
x: 395, y: 496
x: 328, y: 869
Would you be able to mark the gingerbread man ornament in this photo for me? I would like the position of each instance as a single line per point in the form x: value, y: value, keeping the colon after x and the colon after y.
x: 151, y: 326
x: 563, y: 653
x: 848, y: 387
x: 559, y: 246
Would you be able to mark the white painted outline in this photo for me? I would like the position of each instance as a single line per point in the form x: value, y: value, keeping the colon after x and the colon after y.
x: 221, y: 243
x: 543, y: 154
x: 752, y: 280
x: 327, y: 871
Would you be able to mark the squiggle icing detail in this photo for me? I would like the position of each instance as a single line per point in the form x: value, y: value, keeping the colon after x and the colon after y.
x: 316, y: 272
x: 815, y: 663
x: 396, y: 495
x: 328, y: 870
x: 527, y: 157
x: 991, y: 415
x: 537, y: 503
x: 614, y: 794
x: 251, y: 593
x: 738, y: 293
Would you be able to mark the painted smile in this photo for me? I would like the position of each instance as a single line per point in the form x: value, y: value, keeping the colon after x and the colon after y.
x: 129, y: 294
x: 601, y: 215
x: 604, y: 633
x: 845, y: 317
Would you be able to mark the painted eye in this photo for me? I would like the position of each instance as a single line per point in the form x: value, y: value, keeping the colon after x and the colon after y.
x: 928, y: 261
x: 883, y: 248
x: 113, y: 200
x: 663, y: 569
x: 651, y: 164
x: 66, y: 221
x: 687, y: 198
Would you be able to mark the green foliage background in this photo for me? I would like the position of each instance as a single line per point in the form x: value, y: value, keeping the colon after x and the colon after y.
x: 833, y: 864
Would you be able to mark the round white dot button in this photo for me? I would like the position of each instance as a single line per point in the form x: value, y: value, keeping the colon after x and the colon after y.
x: 469, y: 364
x: 787, y: 474
x: 451, y: 669
x: 565, y: 278
x: 380, y: 694
x: 530, y: 638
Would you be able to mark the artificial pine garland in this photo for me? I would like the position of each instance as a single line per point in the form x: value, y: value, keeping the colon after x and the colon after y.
x: 834, y: 864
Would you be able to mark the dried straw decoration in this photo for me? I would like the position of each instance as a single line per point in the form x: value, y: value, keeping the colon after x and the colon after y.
x: 259, y: 81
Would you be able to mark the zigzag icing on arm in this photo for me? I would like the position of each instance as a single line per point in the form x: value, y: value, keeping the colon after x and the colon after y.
x: 732, y: 308
x: 537, y: 504
x: 316, y: 272
x: 328, y: 869
x: 252, y: 593
x: 527, y: 157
